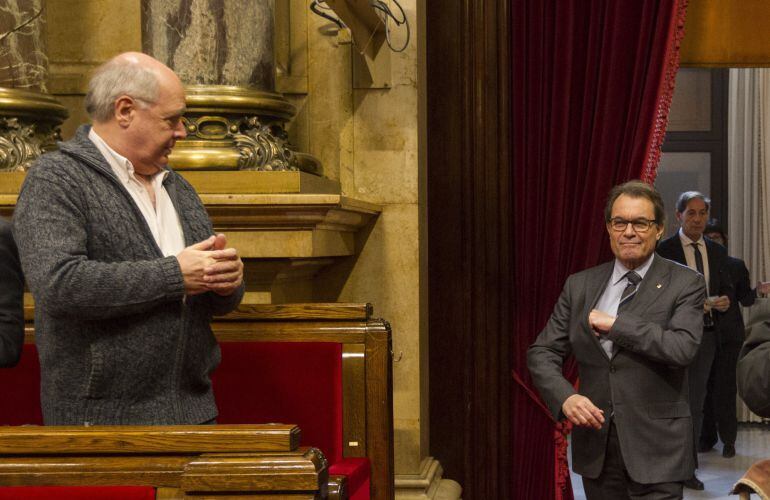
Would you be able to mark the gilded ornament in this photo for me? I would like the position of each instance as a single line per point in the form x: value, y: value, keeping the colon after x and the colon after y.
x: 29, y: 127
x: 238, y: 128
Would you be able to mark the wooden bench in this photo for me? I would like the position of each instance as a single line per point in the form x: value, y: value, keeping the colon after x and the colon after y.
x: 324, y: 367
x: 176, y: 461
x: 284, y: 348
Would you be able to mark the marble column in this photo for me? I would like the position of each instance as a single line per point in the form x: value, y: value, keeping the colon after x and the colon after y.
x: 23, y: 64
x: 213, y: 42
x: 29, y: 118
x: 223, y: 51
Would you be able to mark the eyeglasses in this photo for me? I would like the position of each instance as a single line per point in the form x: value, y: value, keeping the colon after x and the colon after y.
x: 639, y: 225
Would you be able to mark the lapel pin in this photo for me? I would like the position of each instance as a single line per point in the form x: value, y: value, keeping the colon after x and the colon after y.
x: 658, y: 286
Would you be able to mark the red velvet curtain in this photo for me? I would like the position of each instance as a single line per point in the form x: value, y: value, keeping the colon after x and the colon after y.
x: 592, y: 84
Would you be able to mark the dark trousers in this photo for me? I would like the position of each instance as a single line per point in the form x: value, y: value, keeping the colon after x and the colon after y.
x: 698, y: 377
x: 614, y: 482
x: 719, y: 413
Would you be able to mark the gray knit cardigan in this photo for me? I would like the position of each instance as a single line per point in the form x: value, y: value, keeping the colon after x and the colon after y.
x: 117, y: 341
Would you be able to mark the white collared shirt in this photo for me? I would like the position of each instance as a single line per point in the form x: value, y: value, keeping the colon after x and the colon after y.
x: 162, y: 218
x: 689, y: 255
x: 610, y: 299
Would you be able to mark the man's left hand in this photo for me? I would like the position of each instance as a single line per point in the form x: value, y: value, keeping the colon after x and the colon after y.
x: 600, y: 322
x: 226, y: 275
x: 721, y: 303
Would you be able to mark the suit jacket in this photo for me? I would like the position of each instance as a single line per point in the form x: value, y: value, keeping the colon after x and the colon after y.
x: 11, y: 293
x: 731, y: 328
x: 753, y: 372
x: 644, y: 384
x: 720, y: 281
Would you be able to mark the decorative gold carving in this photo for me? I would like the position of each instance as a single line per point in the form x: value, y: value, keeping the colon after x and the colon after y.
x: 21, y: 144
x: 237, y: 128
x: 29, y: 127
x: 264, y: 147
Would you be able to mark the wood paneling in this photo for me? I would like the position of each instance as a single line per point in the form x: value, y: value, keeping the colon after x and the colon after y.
x: 720, y: 33
x: 42, y: 440
x: 379, y: 406
x: 469, y: 241
x: 354, y: 413
x: 315, y: 311
x: 249, y: 472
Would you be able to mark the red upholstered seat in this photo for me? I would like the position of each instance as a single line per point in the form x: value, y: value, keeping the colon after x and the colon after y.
x: 297, y: 382
x: 286, y: 382
x: 77, y: 493
x: 357, y: 471
x: 21, y: 391
x: 257, y: 382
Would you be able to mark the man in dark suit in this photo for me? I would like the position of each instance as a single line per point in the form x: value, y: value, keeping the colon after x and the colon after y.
x: 719, y: 413
x: 689, y: 247
x: 634, y: 325
x: 11, y: 293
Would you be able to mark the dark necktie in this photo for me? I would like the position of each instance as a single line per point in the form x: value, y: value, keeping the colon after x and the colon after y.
x: 707, y: 321
x: 625, y: 299
x: 628, y: 293
x: 698, y: 258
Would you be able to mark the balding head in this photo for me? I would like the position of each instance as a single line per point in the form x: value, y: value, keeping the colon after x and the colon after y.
x: 137, y: 106
x: 132, y: 74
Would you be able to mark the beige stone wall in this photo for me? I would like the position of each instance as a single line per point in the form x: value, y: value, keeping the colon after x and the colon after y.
x: 367, y: 138
x: 80, y: 35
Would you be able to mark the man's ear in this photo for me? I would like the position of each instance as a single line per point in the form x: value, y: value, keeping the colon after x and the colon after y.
x: 125, y: 107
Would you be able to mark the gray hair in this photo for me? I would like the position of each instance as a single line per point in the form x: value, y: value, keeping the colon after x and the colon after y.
x: 637, y: 189
x: 687, y: 197
x: 115, y: 78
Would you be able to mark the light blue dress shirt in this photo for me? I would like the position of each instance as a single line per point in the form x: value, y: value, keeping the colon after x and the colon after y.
x: 608, y: 302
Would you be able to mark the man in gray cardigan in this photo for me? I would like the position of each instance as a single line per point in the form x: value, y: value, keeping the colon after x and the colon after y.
x: 122, y: 261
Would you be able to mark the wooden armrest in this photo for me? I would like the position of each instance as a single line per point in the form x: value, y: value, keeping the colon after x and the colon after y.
x: 755, y: 480
x: 37, y: 440
x: 302, y: 472
x: 306, y: 470
x: 292, y: 312
x: 338, y: 487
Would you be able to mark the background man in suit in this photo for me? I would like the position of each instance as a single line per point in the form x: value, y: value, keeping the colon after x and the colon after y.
x: 633, y: 325
x: 11, y: 293
x: 688, y: 247
x: 719, y: 413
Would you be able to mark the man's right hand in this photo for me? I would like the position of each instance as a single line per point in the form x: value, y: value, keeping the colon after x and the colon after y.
x: 193, y: 260
x: 581, y: 411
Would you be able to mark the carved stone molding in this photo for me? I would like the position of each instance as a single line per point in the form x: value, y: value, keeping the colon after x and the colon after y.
x: 428, y: 484
x: 29, y: 126
x: 238, y: 128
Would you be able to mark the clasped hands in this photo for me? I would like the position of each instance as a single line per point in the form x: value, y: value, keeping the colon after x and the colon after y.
x: 720, y: 303
x: 208, y: 266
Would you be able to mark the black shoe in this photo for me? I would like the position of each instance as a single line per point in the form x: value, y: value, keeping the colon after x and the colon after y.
x: 693, y: 483
x: 703, y: 447
x: 728, y: 451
